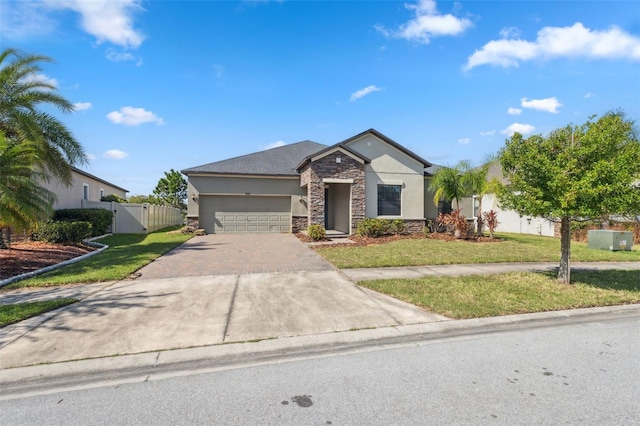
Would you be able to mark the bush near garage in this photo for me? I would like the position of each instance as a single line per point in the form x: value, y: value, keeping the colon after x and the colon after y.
x: 99, y: 219
x: 62, y: 232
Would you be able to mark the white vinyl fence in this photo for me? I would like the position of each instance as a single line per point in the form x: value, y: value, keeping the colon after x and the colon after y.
x: 137, y: 218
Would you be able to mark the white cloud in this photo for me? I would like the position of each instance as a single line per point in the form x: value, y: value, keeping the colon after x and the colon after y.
x: 510, y: 32
x: 275, y: 144
x: 363, y: 92
x: 514, y: 111
x: 427, y: 23
x: 523, y: 129
x: 218, y: 71
x: 488, y: 133
x: 82, y: 106
x: 130, y: 116
x: 106, y: 20
x: 548, y: 105
x: 588, y: 95
x: 576, y: 41
x: 90, y: 157
x: 115, y: 154
x: 116, y: 56
x: 40, y: 78
x: 24, y: 19
x: 464, y: 141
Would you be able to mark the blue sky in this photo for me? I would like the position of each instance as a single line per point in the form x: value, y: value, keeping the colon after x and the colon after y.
x: 175, y: 84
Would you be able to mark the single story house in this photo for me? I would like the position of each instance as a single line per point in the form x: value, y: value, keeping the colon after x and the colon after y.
x: 84, y: 186
x: 286, y: 189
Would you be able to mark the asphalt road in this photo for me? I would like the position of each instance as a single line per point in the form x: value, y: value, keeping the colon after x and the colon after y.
x: 572, y: 373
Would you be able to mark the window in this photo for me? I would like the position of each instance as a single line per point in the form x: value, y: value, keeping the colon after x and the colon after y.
x: 476, y: 206
x: 389, y: 200
x: 85, y: 192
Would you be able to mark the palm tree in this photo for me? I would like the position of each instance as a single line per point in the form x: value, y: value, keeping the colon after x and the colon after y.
x: 21, y: 120
x: 448, y: 183
x: 22, y: 201
x: 475, y: 181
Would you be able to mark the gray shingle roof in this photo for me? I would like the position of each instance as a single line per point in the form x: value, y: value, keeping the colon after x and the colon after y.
x: 281, y: 161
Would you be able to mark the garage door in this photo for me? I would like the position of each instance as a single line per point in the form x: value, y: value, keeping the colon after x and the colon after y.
x: 245, y: 214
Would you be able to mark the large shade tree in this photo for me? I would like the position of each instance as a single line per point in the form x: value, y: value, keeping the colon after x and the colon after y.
x: 171, y: 190
x: 576, y: 173
x: 23, y: 95
x: 22, y: 200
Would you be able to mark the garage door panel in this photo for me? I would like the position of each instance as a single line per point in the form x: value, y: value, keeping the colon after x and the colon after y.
x: 245, y: 214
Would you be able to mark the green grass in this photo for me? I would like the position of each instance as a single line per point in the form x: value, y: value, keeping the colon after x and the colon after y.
x: 513, y: 248
x: 126, y: 254
x: 514, y: 293
x: 10, y: 314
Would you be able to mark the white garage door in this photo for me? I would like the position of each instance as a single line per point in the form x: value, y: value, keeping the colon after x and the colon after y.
x: 245, y: 214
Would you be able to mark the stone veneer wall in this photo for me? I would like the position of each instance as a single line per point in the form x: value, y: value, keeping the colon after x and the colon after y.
x: 193, y: 221
x: 299, y: 223
x: 414, y: 226
x: 328, y: 168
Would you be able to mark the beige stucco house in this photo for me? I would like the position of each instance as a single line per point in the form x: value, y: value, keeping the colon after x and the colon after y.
x: 84, y: 186
x: 288, y: 188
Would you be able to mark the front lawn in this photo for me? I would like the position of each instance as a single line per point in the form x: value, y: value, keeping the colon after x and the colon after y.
x: 514, y: 293
x: 126, y: 254
x: 10, y: 314
x: 512, y: 248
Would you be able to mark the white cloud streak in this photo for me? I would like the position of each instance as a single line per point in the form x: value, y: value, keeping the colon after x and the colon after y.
x: 115, y: 154
x: 275, y: 144
x: 464, y: 141
x: 514, y: 111
x: 363, y: 92
x: 488, y: 133
x: 575, y: 41
x: 547, y: 105
x: 82, y: 106
x: 523, y: 129
x: 40, y: 78
x: 130, y: 116
x: 427, y: 23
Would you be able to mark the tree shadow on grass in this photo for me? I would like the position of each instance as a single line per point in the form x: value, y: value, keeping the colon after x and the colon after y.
x: 605, y: 279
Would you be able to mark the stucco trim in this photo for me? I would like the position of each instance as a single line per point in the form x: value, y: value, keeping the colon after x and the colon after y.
x: 333, y: 180
x: 336, y: 149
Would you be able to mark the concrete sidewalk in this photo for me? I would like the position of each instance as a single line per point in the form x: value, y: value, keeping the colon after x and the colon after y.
x: 364, y: 274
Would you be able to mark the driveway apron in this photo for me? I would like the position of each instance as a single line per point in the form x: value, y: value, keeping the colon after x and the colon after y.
x: 213, y: 289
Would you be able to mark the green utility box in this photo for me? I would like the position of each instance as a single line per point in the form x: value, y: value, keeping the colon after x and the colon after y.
x: 610, y: 240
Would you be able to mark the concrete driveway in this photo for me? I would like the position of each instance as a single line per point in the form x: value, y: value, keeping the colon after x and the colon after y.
x: 197, y: 304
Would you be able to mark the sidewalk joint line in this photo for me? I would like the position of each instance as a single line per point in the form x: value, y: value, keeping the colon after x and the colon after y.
x: 233, y: 299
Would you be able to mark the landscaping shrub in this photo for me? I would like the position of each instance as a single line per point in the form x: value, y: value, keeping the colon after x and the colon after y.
x: 316, y: 232
x: 491, y: 220
x: 113, y: 197
x: 454, y: 221
x: 100, y: 219
x: 374, y: 227
x: 62, y: 232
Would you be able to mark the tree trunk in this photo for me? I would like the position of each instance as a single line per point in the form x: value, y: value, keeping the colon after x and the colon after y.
x: 5, y: 237
x: 564, y: 273
x: 479, y: 221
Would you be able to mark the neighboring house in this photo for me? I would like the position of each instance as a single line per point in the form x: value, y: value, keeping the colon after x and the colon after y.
x: 508, y: 220
x: 84, y: 186
x: 288, y: 188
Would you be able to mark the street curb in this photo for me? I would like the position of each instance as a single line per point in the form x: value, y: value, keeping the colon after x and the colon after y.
x: 156, y: 365
x: 90, y: 242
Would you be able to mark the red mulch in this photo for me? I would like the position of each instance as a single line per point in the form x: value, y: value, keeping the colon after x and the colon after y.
x: 27, y: 256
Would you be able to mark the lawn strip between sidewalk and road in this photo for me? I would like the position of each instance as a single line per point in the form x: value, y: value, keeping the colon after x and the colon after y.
x: 477, y: 296
x: 426, y: 251
x: 126, y: 254
x: 11, y: 314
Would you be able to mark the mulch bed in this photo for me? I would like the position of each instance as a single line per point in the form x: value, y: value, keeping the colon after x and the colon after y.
x: 368, y: 241
x: 27, y: 256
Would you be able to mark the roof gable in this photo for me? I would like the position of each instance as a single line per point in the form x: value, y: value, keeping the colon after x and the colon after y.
x: 389, y: 141
x: 280, y: 161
